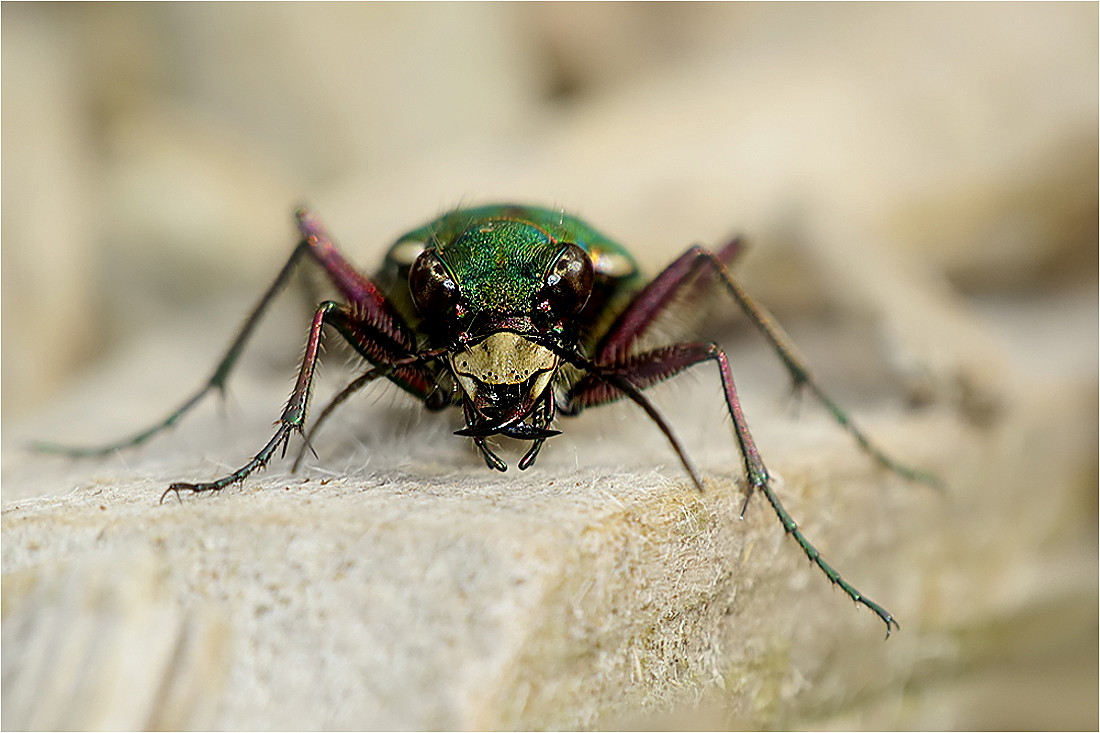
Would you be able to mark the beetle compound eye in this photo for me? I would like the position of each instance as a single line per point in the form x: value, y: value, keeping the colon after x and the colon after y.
x: 434, y: 290
x: 568, y: 284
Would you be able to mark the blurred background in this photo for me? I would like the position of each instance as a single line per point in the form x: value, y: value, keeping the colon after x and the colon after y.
x: 152, y: 155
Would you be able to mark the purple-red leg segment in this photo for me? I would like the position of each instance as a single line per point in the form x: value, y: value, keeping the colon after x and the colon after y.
x: 642, y: 370
x: 369, y: 322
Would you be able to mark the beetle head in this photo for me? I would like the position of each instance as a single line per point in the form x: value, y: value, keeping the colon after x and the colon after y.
x: 499, y: 295
x: 500, y: 275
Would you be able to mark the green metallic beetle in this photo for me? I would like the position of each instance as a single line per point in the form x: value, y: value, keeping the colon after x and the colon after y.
x: 517, y: 314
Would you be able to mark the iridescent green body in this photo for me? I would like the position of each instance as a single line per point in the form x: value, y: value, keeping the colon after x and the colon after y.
x: 498, y: 255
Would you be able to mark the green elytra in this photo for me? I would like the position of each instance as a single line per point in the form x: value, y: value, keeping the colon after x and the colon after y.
x: 517, y: 314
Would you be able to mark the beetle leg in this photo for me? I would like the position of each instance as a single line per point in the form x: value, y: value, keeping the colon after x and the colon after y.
x: 369, y: 302
x: 655, y: 366
x: 387, y: 370
x: 801, y: 376
x: 651, y: 367
x: 680, y: 275
x: 346, y: 321
x: 216, y: 381
x: 613, y: 379
x: 683, y: 274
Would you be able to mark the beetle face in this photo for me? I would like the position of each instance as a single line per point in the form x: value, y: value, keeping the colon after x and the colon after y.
x: 504, y: 375
x: 498, y: 296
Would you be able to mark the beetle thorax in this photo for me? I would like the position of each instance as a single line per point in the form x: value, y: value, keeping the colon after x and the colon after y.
x: 504, y: 363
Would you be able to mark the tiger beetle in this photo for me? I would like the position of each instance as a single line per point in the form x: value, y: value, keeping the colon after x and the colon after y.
x: 516, y: 314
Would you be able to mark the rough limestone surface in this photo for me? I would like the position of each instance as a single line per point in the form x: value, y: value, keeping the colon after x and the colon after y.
x: 398, y: 583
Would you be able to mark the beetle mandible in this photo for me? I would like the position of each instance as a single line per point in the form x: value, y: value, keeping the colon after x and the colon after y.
x: 516, y: 314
